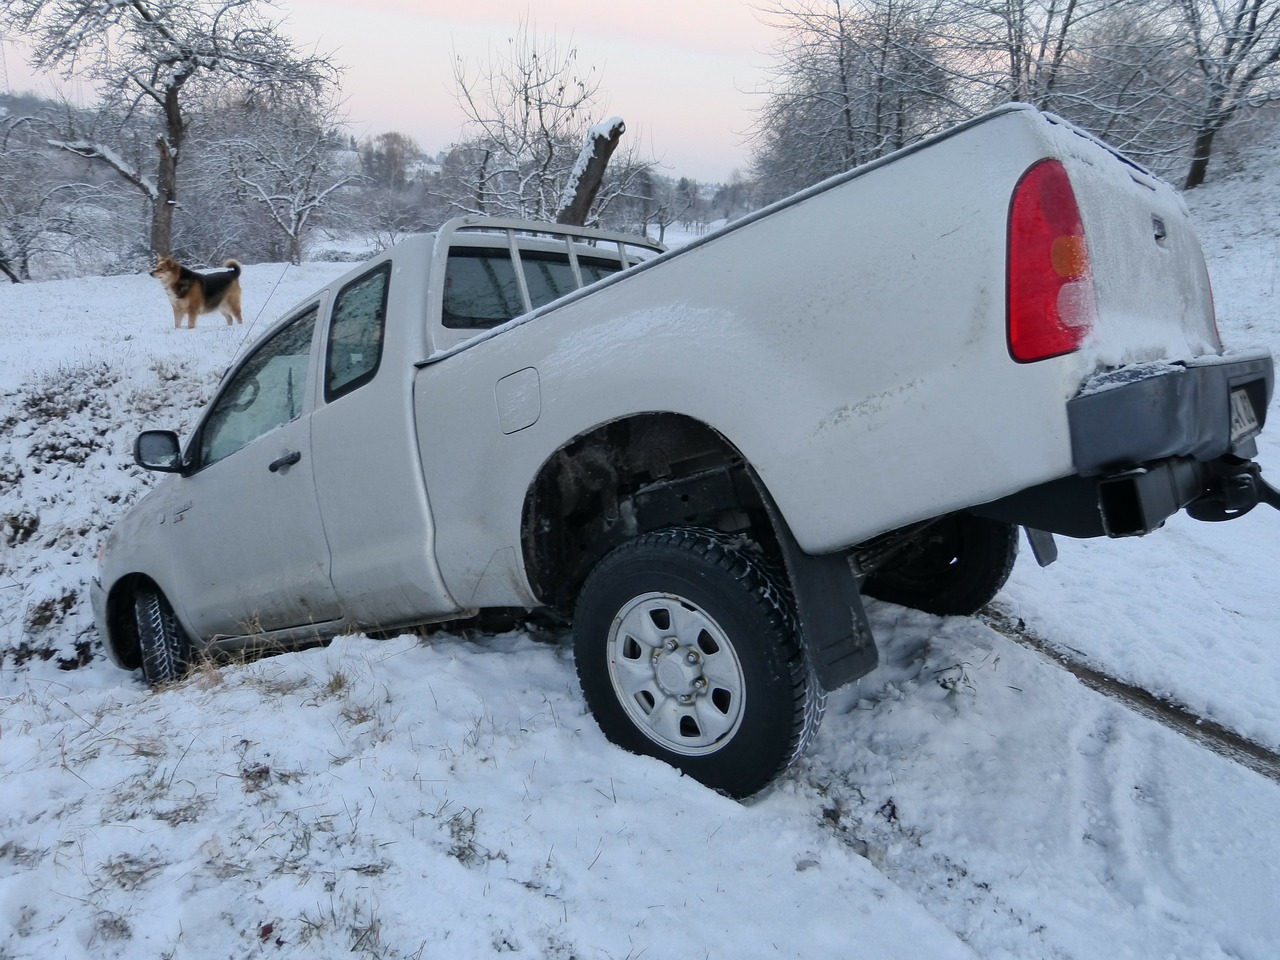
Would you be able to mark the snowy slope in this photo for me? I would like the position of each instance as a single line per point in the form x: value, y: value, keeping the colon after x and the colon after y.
x: 450, y: 798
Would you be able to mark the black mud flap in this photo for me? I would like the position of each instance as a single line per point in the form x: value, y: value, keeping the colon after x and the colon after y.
x: 837, y: 635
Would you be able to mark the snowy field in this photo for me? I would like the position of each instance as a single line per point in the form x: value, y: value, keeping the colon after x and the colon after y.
x: 450, y: 798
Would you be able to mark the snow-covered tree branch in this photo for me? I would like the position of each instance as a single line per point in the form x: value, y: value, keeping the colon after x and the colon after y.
x: 160, y: 54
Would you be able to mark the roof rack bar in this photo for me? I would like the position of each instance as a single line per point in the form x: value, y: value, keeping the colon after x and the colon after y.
x: 587, y: 235
x: 518, y: 268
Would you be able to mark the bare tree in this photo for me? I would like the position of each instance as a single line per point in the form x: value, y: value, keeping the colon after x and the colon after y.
x: 1018, y: 49
x: 400, y: 192
x: 529, y: 105
x: 45, y: 209
x: 530, y: 108
x: 1160, y: 78
x: 387, y: 160
x: 289, y: 162
x: 735, y: 198
x: 159, y: 53
x: 386, y: 218
x: 1235, y: 45
x: 34, y: 218
x: 853, y: 79
x: 693, y: 205
x: 1131, y: 82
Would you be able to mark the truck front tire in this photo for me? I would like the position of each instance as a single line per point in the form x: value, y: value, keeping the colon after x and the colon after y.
x: 161, y: 642
x: 953, y: 568
x: 687, y: 650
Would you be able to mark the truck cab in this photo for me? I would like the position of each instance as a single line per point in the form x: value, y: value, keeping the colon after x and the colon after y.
x: 298, y: 507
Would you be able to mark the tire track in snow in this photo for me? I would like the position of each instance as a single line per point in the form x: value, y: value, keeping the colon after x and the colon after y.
x: 1208, y: 733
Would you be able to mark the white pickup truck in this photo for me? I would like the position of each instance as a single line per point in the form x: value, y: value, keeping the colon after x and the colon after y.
x: 703, y: 458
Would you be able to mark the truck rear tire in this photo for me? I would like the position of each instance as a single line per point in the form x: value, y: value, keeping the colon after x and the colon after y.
x: 688, y: 650
x: 953, y: 568
x: 161, y: 642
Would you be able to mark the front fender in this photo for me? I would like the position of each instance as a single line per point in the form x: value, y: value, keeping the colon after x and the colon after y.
x: 138, y: 547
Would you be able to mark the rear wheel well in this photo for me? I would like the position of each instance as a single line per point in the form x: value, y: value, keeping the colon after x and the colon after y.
x: 626, y: 478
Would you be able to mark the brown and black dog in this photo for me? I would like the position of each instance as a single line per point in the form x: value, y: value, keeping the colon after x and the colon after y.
x: 192, y: 293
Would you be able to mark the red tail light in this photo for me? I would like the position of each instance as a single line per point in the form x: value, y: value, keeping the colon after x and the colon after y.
x: 1051, y: 305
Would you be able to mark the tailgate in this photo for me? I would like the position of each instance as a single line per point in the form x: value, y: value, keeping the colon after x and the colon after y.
x: 1152, y: 287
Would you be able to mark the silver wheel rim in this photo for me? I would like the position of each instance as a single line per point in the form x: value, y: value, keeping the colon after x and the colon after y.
x: 676, y: 674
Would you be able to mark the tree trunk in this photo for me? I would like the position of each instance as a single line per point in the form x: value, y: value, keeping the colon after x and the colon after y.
x: 7, y: 270
x: 166, y: 199
x: 602, y: 140
x: 170, y: 147
x: 1200, y: 154
x: 482, y: 183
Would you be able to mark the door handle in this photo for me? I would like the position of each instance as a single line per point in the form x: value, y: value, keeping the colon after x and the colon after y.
x: 288, y: 460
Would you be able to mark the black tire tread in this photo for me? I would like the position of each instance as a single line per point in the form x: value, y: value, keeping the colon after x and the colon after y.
x: 160, y: 638
x: 738, y: 558
x: 990, y: 548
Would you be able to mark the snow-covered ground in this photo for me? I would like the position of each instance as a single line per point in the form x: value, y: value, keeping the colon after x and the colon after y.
x: 450, y: 798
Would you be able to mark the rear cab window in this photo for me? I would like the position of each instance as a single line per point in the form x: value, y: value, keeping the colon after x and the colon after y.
x: 481, y: 289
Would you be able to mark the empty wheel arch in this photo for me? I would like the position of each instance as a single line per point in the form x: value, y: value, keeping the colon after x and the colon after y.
x: 626, y: 478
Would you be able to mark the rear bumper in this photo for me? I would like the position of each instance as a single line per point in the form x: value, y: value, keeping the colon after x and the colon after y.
x: 1151, y: 412
x: 1151, y: 439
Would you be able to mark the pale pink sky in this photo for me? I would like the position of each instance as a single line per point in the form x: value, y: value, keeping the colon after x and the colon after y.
x: 677, y: 71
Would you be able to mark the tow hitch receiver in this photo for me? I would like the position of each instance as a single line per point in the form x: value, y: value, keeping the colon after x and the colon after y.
x: 1237, y: 489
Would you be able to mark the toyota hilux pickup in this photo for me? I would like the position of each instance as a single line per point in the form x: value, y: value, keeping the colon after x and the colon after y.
x: 702, y: 459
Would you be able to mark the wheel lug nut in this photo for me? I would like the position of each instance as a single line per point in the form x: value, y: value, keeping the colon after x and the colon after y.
x: 671, y: 644
x: 691, y: 657
x: 699, y: 684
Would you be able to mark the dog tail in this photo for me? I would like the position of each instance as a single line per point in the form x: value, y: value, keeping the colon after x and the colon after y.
x: 233, y: 266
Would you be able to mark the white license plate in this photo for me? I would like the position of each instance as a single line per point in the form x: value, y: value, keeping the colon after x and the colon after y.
x: 1243, y: 420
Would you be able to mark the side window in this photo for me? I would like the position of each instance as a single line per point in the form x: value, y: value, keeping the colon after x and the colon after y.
x: 550, y: 277
x: 593, y: 270
x: 267, y: 391
x: 481, y: 290
x: 354, y: 350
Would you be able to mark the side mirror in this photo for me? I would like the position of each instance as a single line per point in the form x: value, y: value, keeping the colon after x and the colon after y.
x: 158, y: 450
